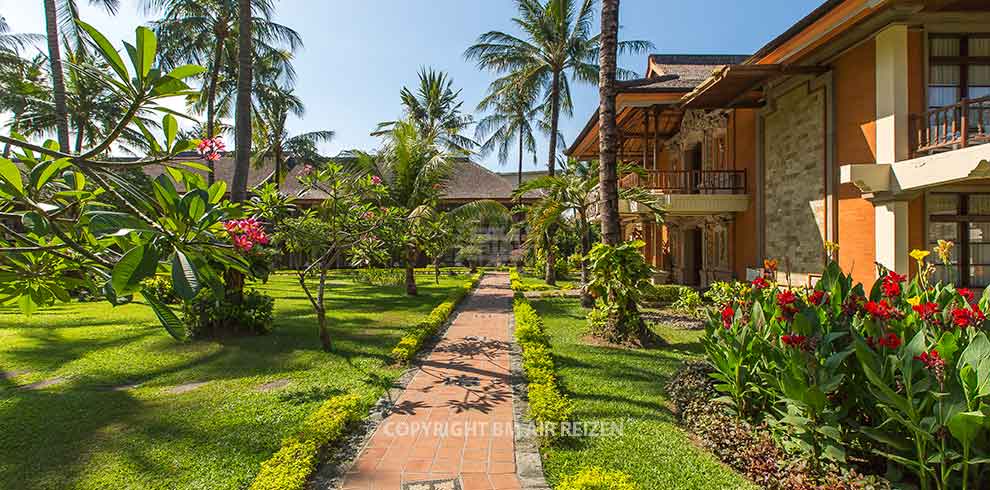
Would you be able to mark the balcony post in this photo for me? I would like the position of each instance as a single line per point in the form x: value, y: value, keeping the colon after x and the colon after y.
x: 965, y: 123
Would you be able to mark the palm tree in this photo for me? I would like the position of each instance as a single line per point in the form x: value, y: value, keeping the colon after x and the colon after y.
x: 558, y: 41
x: 573, y: 193
x: 205, y: 32
x: 271, y: 136
x: 13, y: 43
x: 436, y: 109
x: 68, y: 12
x: 608, y: 133
x: 242, y: 108
x: 415, y: 169
x: 510, y: 122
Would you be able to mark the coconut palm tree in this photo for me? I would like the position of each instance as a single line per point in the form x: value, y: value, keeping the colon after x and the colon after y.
x: 558, y: 44
x: 436, y: 109
x: 14, y: 42
x: 416, y: 168
x: 205, y: 32
x: 242, y: 108
x: 66, y: 11
x: 608, y: 133
x: 572, y: 194
x: 511, y: 122
x: 272, y: 140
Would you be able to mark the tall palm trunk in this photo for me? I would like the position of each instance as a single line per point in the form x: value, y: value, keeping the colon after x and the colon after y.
x: 586, y: 300
x: 519, y: 179
x: 278, y: 166
x: 58, y: 80
x: 211, y: 97
x: 550, y: 275
x: 608, y: 180
x: 242, y: 117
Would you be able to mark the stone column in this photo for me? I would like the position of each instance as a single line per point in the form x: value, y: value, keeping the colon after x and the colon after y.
x: 891, y: 226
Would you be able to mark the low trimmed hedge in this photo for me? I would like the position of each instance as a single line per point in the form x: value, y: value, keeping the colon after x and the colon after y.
x: 289, y: 468
x: 667, y: 293
x: 417, y: 335
x: 595, y: 478
x: 515, y: 282
x: 549, y: 407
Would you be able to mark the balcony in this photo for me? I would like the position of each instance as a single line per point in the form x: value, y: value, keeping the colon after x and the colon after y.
x: 691, y: 192
x: 689, y: 181
x: 952, y: 127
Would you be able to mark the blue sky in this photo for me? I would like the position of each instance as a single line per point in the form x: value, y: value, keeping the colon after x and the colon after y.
x: 359, y: 53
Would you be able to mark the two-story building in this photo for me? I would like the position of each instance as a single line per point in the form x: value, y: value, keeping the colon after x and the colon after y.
x: 862, y: 125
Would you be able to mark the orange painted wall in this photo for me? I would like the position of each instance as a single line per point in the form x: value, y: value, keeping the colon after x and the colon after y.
x: 854, y: 79
x: 742, y: 141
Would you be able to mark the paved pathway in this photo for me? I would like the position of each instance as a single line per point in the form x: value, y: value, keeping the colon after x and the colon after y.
x: 454, y: 419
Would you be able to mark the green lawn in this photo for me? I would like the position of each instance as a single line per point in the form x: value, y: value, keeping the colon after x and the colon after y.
x: 610, y: 384
x: 534, y: 282
x: 84, y: 433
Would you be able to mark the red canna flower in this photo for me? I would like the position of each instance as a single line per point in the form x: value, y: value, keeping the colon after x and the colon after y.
x: 760, y: 283
x: 926, y: 310
x: 962, y: 317
x: 793, y: 340
x: 880, y: 310
x: 818, y: 298
x: 890, y: 341
x: 931, y: 360
x: 967, y: 294
x: 727, y: 315
x: 892, y: 284
x: 786, y: 298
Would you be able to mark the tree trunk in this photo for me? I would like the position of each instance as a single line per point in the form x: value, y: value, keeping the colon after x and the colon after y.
x: 436, y: 269
x: 211, y: 98
x: 278, y: 166
x: 410, y: 272
x: 242, y: 121
x: 321, y: 313
x: 608, y: 134
x: 519, y: 179
x: 58, y: 80
x: 586, y: 300
x: 554, y: 120
x: 79, y: 137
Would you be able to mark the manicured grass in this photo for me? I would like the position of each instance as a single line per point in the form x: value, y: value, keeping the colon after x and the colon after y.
x: 614, y: 384
x: 534, y: 282
x: 83, y: 433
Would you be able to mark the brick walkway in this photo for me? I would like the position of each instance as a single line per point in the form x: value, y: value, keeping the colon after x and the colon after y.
x: 454, y: 419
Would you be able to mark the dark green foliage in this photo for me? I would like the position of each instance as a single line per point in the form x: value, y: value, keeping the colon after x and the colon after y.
x: 207, y: 316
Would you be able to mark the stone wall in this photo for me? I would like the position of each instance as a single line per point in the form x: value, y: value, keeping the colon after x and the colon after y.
x: 794, y: 179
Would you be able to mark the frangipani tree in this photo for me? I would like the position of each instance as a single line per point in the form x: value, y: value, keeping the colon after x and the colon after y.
x: 86, y: 225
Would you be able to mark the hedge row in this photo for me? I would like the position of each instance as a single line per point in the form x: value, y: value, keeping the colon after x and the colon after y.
x: 410, y: 343
x: 548, y: 406
x: 596, y: 478
x: 515, y: 282
x: 289, y: 468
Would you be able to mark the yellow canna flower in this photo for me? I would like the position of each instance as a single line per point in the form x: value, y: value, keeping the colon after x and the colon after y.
x: 919, y: 255
x: 915, y: 301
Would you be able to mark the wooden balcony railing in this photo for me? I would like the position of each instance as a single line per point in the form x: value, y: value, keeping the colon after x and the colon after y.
x: 955, y: 126
x: 690, y: 181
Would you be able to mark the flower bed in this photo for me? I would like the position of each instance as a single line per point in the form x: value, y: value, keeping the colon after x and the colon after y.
x: 894, y: 381
x: 416, y: 336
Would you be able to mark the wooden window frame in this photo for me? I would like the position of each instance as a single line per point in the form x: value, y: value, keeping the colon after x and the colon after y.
x: 963, y: 61
x: 962, y: 219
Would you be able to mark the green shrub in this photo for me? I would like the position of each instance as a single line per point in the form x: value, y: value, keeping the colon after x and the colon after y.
x: 416, y: 335
x: 380, y: 277
x: 289, y: 468
x: 595, y: 478
x: 516, y: 283
x: 548, y: 407
x: 206, y: 314
x: 689, y: 302
x: 665, y: 293
x: 162, y: 286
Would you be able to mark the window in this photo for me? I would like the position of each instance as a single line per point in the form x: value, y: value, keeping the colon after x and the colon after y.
x: 959, y: 68
x: 963, y: 219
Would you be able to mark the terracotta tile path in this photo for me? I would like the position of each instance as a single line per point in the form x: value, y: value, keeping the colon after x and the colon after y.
x: 454, y: 419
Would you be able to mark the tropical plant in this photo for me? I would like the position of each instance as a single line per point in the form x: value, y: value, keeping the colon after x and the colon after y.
x: 14, y: 42
x: 415, y: 170
x: 901, y: 373
x: 558, y: 44
x: 471, y: 250
x: 206, y: 32
x: 620, y: 277
x: 435, y: 109
x: 272, y: 141
x: 510, y: 122
x: 348, y: 222
x: 573, y: 192
x: 85, y: 223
